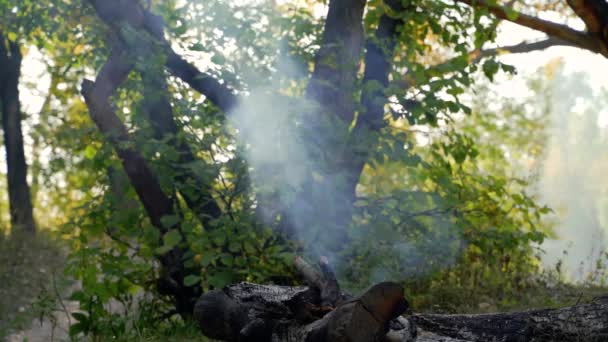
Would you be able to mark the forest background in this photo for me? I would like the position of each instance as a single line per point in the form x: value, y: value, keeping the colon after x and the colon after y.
x: 481, y: 189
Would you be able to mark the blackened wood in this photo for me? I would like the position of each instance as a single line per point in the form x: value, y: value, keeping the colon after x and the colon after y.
x: 251, y: 312
x: 585, y: 322
x: 324, y: 281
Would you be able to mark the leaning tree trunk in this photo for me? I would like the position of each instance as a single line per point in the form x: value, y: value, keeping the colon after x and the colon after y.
x: 20, y: 201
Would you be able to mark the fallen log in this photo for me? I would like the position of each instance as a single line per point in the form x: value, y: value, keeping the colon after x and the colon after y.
x: 583, y: 322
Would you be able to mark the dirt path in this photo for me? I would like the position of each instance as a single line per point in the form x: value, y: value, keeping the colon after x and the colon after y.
x: 50, y: 329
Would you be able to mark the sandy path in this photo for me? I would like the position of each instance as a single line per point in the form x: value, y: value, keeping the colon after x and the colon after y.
x: 53, y: 330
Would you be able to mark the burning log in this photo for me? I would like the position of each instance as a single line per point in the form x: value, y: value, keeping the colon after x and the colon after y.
x: 319, y: 312
x: 251, y: 312
x: 325, y: 281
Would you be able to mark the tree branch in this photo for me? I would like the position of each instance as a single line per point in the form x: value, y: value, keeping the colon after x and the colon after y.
x: 116, y: 12
x: 156, y: 203
x: 522, y: 47
x: 575, y: 37
x: 96, y: 95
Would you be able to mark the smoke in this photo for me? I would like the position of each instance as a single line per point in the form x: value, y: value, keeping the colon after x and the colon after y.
x: 267, y: 129
x: 573, y: 180
x: 285, y: 144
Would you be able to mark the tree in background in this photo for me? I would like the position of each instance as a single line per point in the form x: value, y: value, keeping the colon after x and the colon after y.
x: 21, y: 212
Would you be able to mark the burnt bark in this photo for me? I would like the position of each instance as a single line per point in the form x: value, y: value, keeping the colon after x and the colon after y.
x: 20, y: 200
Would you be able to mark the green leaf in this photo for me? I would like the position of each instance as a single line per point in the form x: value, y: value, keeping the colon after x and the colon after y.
x: 169, y: 221
x: 12, y: 36
x: 172, y: 238
x: 80, y: 317
x: 511, y: 14
x: 76, y: 329
x: 207, y: 258
x: 191, y: 280
x: 218, y: 59
x: 90, y: 152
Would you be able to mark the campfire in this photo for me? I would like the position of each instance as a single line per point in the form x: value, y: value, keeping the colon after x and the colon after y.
x: 317, y: 312
x: 322, y: 312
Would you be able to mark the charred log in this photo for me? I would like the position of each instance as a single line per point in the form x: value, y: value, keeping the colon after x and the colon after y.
x: 251, y: 312
x: 585, y: 322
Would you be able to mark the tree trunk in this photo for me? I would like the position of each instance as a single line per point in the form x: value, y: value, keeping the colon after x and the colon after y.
x: 20, y: 201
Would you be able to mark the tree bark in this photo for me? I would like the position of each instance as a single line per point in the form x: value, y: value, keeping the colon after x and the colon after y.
x: 20, y: 202
x: 331, y: 198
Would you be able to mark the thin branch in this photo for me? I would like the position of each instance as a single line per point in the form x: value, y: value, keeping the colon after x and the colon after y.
x: 522, y: 47
x: 194, y: 189
x: 564, y: 32
x: 147, y: 186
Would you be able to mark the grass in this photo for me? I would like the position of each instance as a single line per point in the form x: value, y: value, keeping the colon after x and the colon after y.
x: 30, y: 278
x: 503, y: 292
